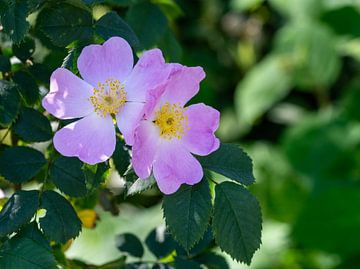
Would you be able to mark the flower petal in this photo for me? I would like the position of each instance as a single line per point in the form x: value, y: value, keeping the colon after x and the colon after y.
x: 113, y: 59
x: 173, y: 166
x: 149, y: 72
x: 183, y: 84
x: 144, y: 148
x: 203, y: 121
x: 92, y: 139
x: 68, y: 96
x: 128, y: 119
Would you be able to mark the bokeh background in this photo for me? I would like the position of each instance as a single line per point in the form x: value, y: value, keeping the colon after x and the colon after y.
x: 285, y: 75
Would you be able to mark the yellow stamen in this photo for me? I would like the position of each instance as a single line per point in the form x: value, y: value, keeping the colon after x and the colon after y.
x: 172, y: 121
x: 108, y: 97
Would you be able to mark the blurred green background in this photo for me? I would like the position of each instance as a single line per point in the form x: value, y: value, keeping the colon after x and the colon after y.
x: 285, y: 75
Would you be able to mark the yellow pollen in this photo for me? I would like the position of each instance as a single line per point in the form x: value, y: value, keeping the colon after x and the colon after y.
x: 171, y: 120
x: 108, y: 97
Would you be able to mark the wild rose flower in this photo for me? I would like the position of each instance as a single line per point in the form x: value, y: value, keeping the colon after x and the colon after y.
x: 169, y: 133
x: 111, y: 87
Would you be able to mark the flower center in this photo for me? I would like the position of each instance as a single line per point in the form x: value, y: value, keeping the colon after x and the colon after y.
x: 171, y: 121
x: 108, y: 97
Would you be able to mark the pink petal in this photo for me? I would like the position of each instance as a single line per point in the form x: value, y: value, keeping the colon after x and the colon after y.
x: 128, y: 119
x: 144, y: 148
x: 68, y: 96
x: 174, y: 165
x: 203, y: 121
x: 92, y: 139
x: 113, y: 59
x: 183, y: 84
x: 149, y: 72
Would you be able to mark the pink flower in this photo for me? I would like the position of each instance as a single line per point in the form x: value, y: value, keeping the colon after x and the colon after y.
x: 169, y: 133
x: 111, y: 87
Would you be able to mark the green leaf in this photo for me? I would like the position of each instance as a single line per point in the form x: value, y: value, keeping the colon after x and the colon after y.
x: 70, y: 61
x: 65, y: 22
x: 5, y: 65
x: 111, y: 24
x: 61, y: 222
x: 194, y: 203
x: 139, y: 185
x: 130, y: 244
x: 213, y: 261
x: 27, y: 87
x: 68, y: 176
x: 330, y: 221
x: 17, y: 211
x: 13, y: 15
x: 181, y: 263
x: 160, y: 243
x: 344, y: 21
x: 24, y: 49
x: 230, y: 161
x: 249, y: 106
x: 121, y: 157
x: 311, y: 51
x: 19, y: 164
x: 9, y: 102
x: 148, y: 22
x: 237, y: 221
x: 95, y: 175
x: 170, y: 47
x: 28, y: 249
x: 32, y: 126
x: 243, y: 5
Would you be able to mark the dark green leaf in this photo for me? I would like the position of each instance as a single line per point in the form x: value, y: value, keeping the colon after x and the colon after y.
x: 344, y: 21
x: 27, y: 250
x: 61, y: 222
x: 5, y: 65
x: 162, y: 266
x: 187, y: 213
x: 17, y: 211
x: 41, y: 72
x: 170, y: 47
x: 19, y: 164
x: 237, y: 221
x: 95, y: 175
x: 148, y: 22
x: 130, y: 244
x: 121, y: 157
x: 9, y: 102
x: 68, y: 176
x: 111, y: 24
x: 24, y: 49
x: 32, y: 126
x: 65, y: 22
x: 230, y: 161
x: 181, y: 263
x: 160, y: 243
x: 27, y: 87
x: 13, y: 15
x: 213, y: 261
x: 70, y: 61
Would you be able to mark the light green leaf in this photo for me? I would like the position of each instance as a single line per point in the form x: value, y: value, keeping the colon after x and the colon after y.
x: 237, y: 221
x: 267, y: 83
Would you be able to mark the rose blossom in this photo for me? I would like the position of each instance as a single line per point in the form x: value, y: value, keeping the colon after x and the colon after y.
x: 111, y: 89
x: 170, y: 132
